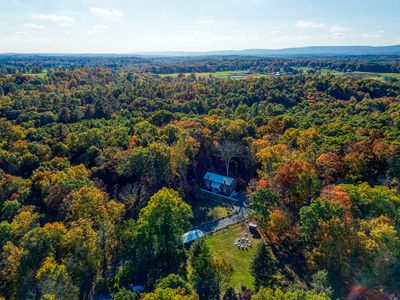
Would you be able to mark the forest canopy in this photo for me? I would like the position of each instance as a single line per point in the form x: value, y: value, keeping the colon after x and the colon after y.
x: 101, y: 161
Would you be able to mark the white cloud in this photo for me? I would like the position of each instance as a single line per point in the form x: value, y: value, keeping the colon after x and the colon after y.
x: 371, y: 35
x: 309, y: 25
x: 22, y: 34
x: 111, y: 14
x: 96, y: 29
x: 338, y: 29
x: 60, y: 20
x: 338, y: 35
x: 33, y: 26
x: 275, y: 32
x: 207, y: 20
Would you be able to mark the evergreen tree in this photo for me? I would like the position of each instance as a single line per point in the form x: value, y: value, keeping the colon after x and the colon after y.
x: 203, y: 277
x: 263, y: 266
x: 320, y: 284
x: 230, y: 294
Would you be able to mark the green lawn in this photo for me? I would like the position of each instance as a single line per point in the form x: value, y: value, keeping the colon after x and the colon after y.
x: 221, y: 74
x: 366, y: 75
x: 222, y: 246
x: 206, y: 210
x: 41, y: 75
x: 378, y: 76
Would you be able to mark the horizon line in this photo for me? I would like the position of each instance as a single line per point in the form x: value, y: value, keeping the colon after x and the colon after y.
x: 140, y: 52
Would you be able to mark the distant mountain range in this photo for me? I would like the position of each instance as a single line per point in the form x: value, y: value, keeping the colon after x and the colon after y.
x: 314, y: 50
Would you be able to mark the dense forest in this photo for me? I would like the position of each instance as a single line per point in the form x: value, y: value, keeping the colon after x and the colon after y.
x: 101, y: 160
x: 17, y: 64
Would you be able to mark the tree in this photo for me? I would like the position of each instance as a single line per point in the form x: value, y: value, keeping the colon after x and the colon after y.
x: 54, y: 186
x: 337, y: 194
x: 37, y: 245
x: 329, y: 166
x: 6, y: 233
x: 320, y: 284
x: 10, y: 209
x: 92, y: 204
x: 159, y: 231
x: 228, y: 150
x: 124, y: 294
x: 312, y: 215
x: 263, y: 200
x: 56, y: 230
x: 278, y: 294
x: 169, y: 294
x: 330, y: 236
x: 87, y: 203
x: 381, y: 242
x: 281, y: 228
x: 271, y: 156
x: 10, y: 261
x: 230, y: 294
x: 25, y: 220
x: 152, y: 164
x: 203, y: 276
x: 83, y: 258
x: 223, y: 272
x: 133, y: 196
x: 55, y: 282
x: 374, y: 201
x: 174, y: 281
x: 296, y: 181
x: 161, y: 117
x: 263, y: 266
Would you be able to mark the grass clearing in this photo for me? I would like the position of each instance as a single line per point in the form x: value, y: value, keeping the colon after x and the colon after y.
x: 206, y: 210
x: 365, y: 75
x: 222, y: 246
x: 220, y: 74
x: 43, y: 74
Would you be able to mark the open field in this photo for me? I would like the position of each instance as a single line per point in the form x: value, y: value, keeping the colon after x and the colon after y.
x: 366, y: 75
x: 41, y: 75
x: 369, y: 75
x: 222, y: 246
x: 221, y: 74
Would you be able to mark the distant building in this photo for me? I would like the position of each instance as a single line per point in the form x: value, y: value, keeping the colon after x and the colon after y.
x: 191, y: 236
x: 219, y: 184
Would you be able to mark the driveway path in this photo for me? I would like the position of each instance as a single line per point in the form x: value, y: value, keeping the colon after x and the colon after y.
x: 219, y: 224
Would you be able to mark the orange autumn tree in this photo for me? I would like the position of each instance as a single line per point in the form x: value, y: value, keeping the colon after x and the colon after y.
x: 296, y: 181
x: 281, y: 229
x: 329, y: 166
x: 337, y: 193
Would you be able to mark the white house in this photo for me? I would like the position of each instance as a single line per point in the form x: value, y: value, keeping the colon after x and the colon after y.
x: 219, y: 183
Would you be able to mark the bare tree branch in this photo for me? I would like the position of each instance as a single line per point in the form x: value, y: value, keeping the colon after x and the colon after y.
x: 228, y: 150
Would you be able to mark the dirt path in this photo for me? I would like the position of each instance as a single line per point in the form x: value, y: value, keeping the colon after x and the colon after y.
x: 219, y: 224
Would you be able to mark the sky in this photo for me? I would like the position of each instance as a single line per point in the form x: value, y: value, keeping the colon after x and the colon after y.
x: 126, y: 26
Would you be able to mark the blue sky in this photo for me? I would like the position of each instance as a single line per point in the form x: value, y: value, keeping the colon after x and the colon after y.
x: 122, y: 26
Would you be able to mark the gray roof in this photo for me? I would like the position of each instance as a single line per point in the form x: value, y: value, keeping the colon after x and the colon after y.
x: 192, y: 235
x: 218, y: 178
